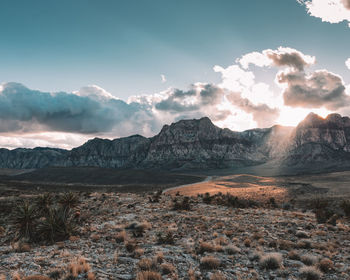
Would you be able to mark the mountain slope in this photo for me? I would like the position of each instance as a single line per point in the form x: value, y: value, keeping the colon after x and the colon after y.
x: 199, y: 144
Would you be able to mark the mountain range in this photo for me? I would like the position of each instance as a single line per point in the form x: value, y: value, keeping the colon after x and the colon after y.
x: 316, y: 144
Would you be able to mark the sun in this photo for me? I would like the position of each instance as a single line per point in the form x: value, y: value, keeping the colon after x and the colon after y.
x: 293, y: 116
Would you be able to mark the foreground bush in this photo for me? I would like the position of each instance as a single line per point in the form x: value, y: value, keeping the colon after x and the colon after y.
x: 57, y: 225
x: 271, y: 261
x: 45, y: 220
x: 310, y: 273
x: 25, y: 218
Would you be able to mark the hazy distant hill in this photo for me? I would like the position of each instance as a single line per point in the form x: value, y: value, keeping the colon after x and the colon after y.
x: 199, y: 144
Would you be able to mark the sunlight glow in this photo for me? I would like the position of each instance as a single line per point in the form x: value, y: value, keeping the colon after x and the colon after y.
x: 292, y: 116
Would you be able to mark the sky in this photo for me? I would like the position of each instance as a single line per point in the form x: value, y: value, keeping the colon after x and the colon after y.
x: 73, y: 70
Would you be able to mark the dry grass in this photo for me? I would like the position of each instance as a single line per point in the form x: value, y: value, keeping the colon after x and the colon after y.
x: 231, y: 249
x: 205, y: 247
x: 217, y: 276
x: 326, y: 265
x: 167, y: 268
x: 309, y: 259
x: 210, y: 262
x: 271, y: 261
x: 148, y: 275
x: 146, y: 264
x: 120, y: 236
x: 36, y: 277
x: 310, y: 273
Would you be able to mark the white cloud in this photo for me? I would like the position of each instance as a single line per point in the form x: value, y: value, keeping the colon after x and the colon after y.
x: 234, y: 78
x: 255, y: 58
x: 333, y: 11
x: 283, y: 56
x: 94, y: 92
x: 347, y: 63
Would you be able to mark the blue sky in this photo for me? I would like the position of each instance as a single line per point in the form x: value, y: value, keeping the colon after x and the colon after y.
x: 93, y: 51
x: 124, y: 46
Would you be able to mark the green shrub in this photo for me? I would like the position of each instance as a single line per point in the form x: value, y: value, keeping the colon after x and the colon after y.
x: 25, y: 217
x: 43, y: 202
x: 182, y: 205
x: 69, y: 200
x: 57, y: 225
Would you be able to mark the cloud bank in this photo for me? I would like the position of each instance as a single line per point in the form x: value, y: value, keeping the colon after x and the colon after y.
x: 31, y: 118
x: 281, y: 57
x: 318, y: 89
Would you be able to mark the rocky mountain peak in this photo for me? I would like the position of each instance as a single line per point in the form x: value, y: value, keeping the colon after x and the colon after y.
x: 199, y: 144
x: 332, y: 121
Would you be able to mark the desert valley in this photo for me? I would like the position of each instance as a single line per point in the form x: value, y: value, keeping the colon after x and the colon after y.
x: 193, y: 202
x: 175, y: 140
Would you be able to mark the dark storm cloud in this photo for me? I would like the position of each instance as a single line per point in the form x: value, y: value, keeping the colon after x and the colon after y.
x: 203, y: 95
x: 318, y: 89
x: 21, y: 108
x: 264, y: 115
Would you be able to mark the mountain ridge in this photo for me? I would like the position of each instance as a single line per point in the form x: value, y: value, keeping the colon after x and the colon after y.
x: 199, y: 144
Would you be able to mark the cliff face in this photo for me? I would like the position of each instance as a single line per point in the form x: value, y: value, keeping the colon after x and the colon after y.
x: 119, y: 153
x: 321, y: 141
x: 29, y: 158
x: 199, y: 144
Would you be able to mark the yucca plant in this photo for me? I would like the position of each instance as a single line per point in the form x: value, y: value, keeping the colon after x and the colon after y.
x: 69, y: 200
x: 43, y: 202
x: 57, y: 225
x: 25, y: 217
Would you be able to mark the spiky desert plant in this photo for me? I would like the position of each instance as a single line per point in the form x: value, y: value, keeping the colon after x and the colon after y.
x: 25, y: 217
x: 57, y: 225
x: 43, y: 202
x: 69, y: 200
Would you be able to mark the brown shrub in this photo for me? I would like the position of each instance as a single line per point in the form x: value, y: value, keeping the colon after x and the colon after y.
x: 167, y: 268
x: 247, y: 242
x: 271, y: 261
x: 294, y: 255
x: 310, y: 273
x: 146, y: 264
x: 120, y: 236
x: 285, y: 244
x: 210, y: 262
x: 326, y: 265
x: 205, y: 247
x: 148, y: 275
x: 36, y: 277
x: 217, y: 276
x: 130, y: 246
